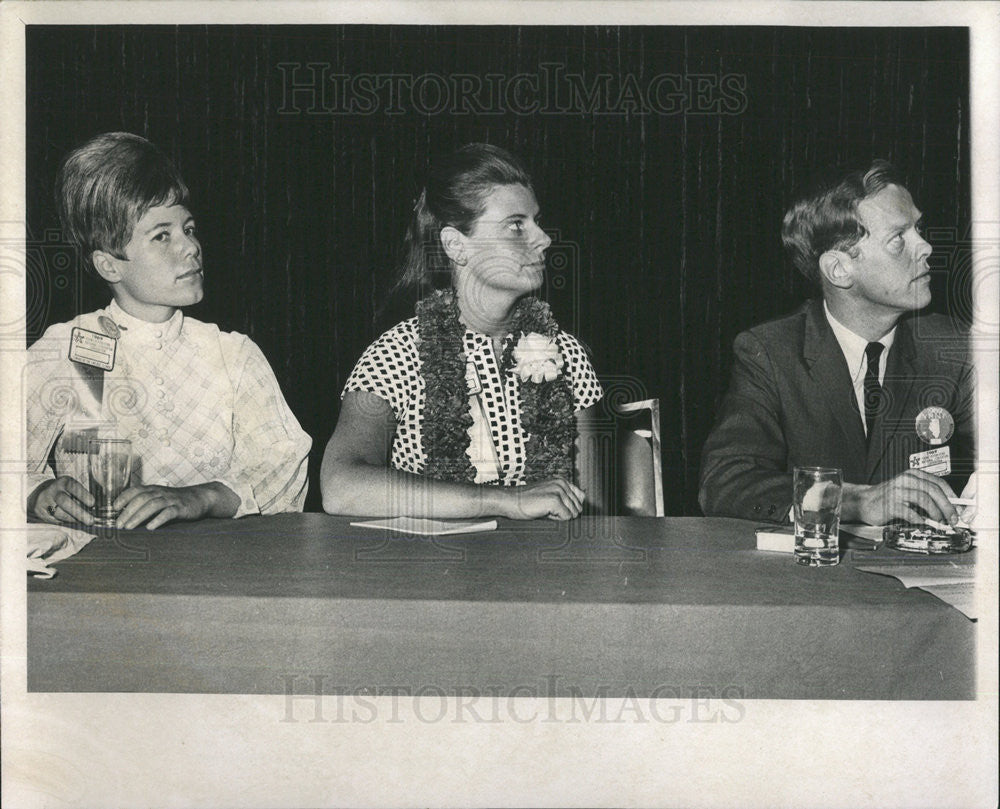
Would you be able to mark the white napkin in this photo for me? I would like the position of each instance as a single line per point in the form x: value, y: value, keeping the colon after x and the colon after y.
x: 48, y: 544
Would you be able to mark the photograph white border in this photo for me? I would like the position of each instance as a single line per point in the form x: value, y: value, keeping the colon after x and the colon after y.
x: 228, y: 750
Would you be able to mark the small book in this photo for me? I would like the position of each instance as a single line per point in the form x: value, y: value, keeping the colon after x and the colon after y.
x: 780, y: 539
x: 430, y: 528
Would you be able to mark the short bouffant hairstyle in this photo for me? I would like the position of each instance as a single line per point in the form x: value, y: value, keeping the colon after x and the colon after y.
x: 826, y: 217
x: 106, y: 186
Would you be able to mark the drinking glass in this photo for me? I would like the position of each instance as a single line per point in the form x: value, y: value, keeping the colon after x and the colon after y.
x: 110, y: 461
x: 818, y: 493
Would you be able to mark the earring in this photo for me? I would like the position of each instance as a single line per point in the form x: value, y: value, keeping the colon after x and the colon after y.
x: 462, y: 260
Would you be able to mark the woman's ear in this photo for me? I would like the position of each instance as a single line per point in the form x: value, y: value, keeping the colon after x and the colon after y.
x: 453, y: 242
x: 835, y: 269
x: 106, y: 266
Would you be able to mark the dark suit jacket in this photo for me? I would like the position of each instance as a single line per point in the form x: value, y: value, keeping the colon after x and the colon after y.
x: 791, y: 403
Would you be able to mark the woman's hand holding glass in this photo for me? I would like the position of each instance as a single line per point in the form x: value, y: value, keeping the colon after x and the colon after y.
x: 158, y: 505
x: 65, y: 500
x: 62, y: 500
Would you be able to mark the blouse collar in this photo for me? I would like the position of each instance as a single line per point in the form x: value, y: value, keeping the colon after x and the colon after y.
x: 135, y: 328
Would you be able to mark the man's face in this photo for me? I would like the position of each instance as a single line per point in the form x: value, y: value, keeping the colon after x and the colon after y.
x: 889, y: 271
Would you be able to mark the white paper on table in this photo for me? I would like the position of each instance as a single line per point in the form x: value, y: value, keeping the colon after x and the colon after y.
x: 923, y: 575
x: 425, y: 527
x: 960, y: 596
x: 953, y: 584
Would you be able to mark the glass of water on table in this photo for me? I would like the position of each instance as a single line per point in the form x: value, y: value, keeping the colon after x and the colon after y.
x: 818, y: 493
x: 110, y: 463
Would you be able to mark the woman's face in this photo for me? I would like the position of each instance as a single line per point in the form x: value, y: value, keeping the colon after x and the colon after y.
x: 505, y: 250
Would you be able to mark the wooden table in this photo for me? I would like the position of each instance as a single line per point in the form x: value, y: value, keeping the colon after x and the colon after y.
x: 304, y: 603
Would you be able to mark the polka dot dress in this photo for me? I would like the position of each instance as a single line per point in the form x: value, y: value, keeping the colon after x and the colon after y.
x: 390, y: 369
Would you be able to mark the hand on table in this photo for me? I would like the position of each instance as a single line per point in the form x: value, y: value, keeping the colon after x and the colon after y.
x: 158, y: 505
x: 62, y: 500
x: 913, y: 496
x: 554, y: 498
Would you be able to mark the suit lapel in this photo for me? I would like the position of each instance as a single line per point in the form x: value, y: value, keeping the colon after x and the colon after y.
x: 900, y: 380
x: 828, y: 373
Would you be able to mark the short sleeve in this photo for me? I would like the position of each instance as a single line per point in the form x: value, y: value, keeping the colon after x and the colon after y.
x: 587, y: 388
x: 389, y: 367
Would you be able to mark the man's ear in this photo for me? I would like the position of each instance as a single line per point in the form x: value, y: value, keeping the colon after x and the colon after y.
x: 106, y: 266
x: 835, y: 269
x: 453, y: 241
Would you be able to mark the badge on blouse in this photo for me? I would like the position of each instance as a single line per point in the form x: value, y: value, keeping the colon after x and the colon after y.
x: 109, y: 327
x: 935, y: 425
x: 92, y: 348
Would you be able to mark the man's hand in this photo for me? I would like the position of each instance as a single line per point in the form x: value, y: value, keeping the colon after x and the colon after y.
x: 62, y: 500
x: 912, y: 496
x: 161, y: 504
x: 554, y: 498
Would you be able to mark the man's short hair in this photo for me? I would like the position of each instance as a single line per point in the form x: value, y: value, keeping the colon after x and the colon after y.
x: 106, y: 186
x: 826, y: 217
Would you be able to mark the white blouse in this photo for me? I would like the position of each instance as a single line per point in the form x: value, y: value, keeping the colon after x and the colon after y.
x: 198, y: 404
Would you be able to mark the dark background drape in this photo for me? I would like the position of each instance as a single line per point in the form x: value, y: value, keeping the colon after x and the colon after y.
x: 663, y: 159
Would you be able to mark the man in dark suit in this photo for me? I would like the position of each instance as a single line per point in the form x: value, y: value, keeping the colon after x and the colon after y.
x: 853, y: 381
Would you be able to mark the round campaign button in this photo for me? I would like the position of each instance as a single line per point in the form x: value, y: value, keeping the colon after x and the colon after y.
x: 109, y: 327
x: 935, y: 425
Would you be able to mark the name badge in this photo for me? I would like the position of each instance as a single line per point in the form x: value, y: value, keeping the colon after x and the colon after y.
x: 92, y: 348
x: 472, y: 379
x: 934, y: 461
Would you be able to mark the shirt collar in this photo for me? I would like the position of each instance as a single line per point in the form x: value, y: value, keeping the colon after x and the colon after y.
x: 135, y: 328
x: 854, y: 345
x: 478, y: 338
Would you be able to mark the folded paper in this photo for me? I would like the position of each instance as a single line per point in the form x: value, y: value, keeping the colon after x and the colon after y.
x: 425, y: 527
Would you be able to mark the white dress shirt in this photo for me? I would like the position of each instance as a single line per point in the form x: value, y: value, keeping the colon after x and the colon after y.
x: 854, y: 345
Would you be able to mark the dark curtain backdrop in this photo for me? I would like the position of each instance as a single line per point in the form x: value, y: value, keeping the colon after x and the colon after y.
x: 664, y: 158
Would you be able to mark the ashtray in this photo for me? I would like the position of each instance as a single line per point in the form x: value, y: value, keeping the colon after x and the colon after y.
x: 927, y: 540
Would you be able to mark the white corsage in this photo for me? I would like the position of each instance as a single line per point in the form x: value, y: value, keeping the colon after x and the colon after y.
x: 537, y: 358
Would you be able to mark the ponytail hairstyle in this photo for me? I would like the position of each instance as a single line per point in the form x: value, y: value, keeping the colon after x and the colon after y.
x: 455, y: 195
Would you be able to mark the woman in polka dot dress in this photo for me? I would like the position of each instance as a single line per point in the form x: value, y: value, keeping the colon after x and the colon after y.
x: 481, y: 404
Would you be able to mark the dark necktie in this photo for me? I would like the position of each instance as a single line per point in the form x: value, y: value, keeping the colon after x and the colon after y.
x: 873, y: 390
